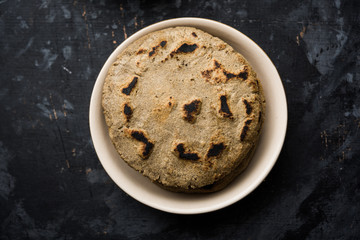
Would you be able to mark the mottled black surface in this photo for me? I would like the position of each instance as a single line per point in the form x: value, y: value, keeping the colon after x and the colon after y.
x: 52, y: 185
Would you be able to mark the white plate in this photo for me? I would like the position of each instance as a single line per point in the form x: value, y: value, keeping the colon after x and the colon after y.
x: 267, y: 152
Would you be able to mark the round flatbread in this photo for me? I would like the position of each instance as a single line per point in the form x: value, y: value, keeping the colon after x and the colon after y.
x: 184, y: 109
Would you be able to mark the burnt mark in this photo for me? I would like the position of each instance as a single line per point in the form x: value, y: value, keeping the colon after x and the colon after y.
x: 184, y: 48
x: 243, y: 74
x: 128, y: 112
x: 248, y: 106
x: 217, y: 64
x: 219, y: 74
x: 224, y: 107
x: 130, y: 87
x: 228, y: 75
x: 141, y: 51
x: 215, y: 150
x: 153, y: 50
x: 187, y: 155
x: 194, y: 34
x: 147, y: 144
x: 191, y: 109
x: 245, y: 129
x: 163, y: 43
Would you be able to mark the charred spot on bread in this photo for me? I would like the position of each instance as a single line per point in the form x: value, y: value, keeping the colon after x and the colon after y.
x: 191, y: 109
x: 184, y: 49
x: 127, y: 112
x: 130, y: 87
x: 243, y: 75
x: 194, y: 34
x: 224, y: 107
x: 217, y: 73
x: 229, y: 75
x: 147, y: 145
x: 217, y: 64
x: 215, y: 149
x: 248, y: 106
x: 163, y: 43
x: 245, y: 129
x: 185, y: 154
x: 153, y: 50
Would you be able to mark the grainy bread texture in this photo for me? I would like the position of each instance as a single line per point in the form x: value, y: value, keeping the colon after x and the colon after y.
x: 184, y: 109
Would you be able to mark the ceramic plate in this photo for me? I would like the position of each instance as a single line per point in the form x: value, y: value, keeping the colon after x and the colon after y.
x: 267, y: 152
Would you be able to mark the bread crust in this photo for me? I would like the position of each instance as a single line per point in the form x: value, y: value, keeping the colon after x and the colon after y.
x: 184, y: 109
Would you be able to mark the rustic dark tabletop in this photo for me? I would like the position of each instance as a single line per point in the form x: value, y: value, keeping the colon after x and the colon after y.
x: 52, y: 185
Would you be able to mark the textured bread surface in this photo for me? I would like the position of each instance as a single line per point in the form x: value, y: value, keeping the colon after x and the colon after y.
x: 184, y: 109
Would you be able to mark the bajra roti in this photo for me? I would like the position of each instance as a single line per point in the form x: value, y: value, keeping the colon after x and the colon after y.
x: 184, y: 109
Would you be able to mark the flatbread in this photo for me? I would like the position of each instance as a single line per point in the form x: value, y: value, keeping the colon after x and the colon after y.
x: 184, y: 109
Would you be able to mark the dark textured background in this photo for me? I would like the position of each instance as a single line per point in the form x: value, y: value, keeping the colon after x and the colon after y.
x: 52, y: 185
